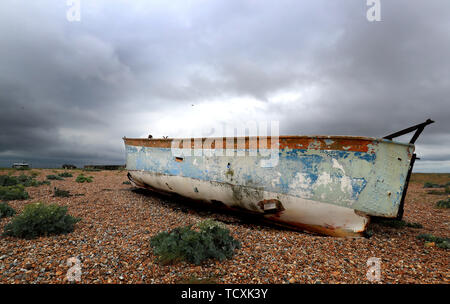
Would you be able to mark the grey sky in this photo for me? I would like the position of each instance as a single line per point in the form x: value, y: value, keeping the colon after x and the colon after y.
x: 69, y: 91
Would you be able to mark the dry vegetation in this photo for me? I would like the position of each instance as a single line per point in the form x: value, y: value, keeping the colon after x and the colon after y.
x: 112, y: 240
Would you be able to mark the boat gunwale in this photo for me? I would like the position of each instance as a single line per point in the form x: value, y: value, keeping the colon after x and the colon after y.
x: 338, y: 137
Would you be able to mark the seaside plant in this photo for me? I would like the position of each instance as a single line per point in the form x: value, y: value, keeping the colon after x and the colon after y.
x: 16, y: 192
x: 39, y: 219
x: 431, y: 185
x: 440, y: 242
x: 24, y: 180
x: 61, y: 193
x: 194, y: 243
x: 6, y: 210
x: 443, y: 203
x: 54, y: 177
x: 65, y: 174
x: 81, y: 179
x: 394, y: 223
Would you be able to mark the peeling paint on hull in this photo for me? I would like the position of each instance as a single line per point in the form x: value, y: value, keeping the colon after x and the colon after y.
x: 330, y: 185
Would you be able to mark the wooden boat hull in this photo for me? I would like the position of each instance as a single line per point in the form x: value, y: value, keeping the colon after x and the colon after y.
x: 325, y: 184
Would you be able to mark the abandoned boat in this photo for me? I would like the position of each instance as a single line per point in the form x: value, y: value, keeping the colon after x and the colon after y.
x: 330, y: 185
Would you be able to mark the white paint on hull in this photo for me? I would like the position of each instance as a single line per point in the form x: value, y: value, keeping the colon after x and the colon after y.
x: 297, y: 211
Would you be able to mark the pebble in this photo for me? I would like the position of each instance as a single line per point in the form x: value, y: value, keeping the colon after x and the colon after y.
x: 112, y: 242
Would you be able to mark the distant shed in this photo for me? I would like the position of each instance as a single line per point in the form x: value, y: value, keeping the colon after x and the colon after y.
x: 21, y: 165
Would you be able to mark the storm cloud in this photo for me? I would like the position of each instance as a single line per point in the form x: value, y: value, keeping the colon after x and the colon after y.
x: 69, y: 91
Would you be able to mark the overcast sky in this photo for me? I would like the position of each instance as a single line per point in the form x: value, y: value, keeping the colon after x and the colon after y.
x: 69, y: 91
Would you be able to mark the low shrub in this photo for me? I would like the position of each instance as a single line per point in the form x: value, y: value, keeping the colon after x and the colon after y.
x: 61, y: 193
x: 16, y: 192
x: 394, y: 223
x: 439, y: 241
x: 431, y: 185
x: 65, y: 174
x: 443, y: 203
x: 39, y: 219
x: 8, y: 180
x: 6, y: 210
x: 23, y: 168
x: 54, y: 177
x: 81, y: 179
x: 24, y: 180
x: 206, y: 240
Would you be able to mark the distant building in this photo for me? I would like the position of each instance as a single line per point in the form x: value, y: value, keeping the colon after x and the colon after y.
x: 21, y: 165
x: 69, y: 166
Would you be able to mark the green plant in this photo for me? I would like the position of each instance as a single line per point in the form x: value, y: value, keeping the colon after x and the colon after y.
x: 431, y: 185
x: 81, y: 179
x: 65, y: 174
x: 394, y: 223
x: 26, y: 181
x: 61, y: 193
x: 6, y: 210
x: 8, y: 180
x: 206, y: 240
x: 414, y: 225
x: 23, y: 168
x: 439, y: 241
x: 126, y: 183
x: 54, y: 177
x: 39, y: 219
x: 443, y: 203
x: 16, y: 192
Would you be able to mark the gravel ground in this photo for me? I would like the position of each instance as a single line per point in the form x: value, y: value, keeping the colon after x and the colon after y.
x: 112, y: 242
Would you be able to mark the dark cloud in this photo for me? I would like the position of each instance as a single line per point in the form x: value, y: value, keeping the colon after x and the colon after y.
x: 70, y: 90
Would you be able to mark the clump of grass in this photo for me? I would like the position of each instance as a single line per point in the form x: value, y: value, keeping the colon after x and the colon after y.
x: 16, y: 192
x: 126, y: 183
x: 8, y: 180
x: 435, y: 192
x: 439, y: 241
x: 54, y: 177
x: 414, y: 225
x: 39, y: 219
x: 443, y: 203
x: 24, y: 180
x: 394, y: 223
x: 81, y: 179
x: 65, y: 174
x: 61, y: 193
x: 23, y: 168
x: 194, y: 243
x: 6, y: 210
x: 92, y: 170
x: 431, y: 185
